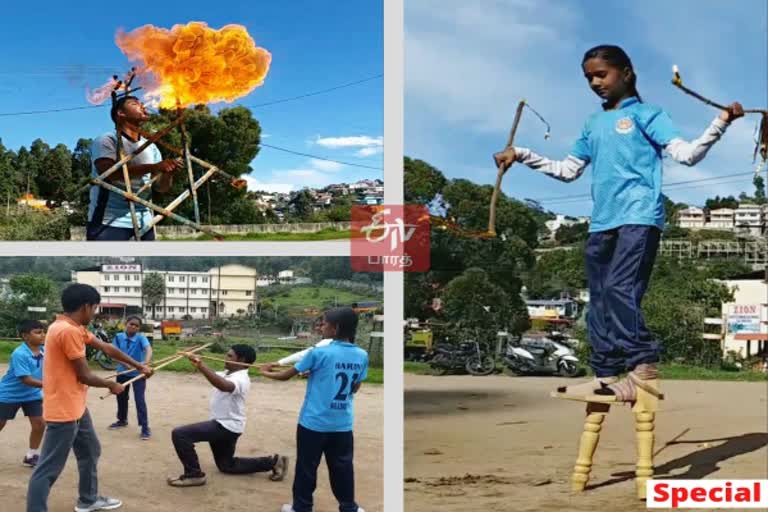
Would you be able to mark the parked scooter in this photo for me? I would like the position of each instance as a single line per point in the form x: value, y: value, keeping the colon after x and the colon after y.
x: 548, y: 355
x: 468, y: 355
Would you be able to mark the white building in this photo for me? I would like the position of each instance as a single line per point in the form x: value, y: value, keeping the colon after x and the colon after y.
x: 749, y: 219
x: 222, y: 291
x: 722, y: 219
x: 691, y: 218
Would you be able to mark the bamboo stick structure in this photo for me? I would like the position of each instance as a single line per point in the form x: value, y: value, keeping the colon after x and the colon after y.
x: 185, y: 152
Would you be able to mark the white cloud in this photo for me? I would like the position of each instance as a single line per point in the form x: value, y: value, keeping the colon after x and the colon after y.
x: 357, y: 141
x: 256, y: 185
x: 326, y: 165
x: 370, y: 151
x: 468, y: 64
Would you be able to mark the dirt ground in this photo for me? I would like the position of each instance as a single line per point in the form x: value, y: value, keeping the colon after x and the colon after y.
x: 135, y: 471
x: 500, y: 443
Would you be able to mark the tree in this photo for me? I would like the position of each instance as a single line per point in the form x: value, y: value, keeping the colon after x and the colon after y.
x: 680, y: 296
x: 302, y: 205
x: 671, y: 210
x: 230, y: 140
x: 153, y: 290
x: 572, y: 234
x: 422, y: 181
x: 476, y: 308
x: 759, y: 183
x: 54, y: 180
x: 27, y: 290
x: 724, y: 202
x: 557, y: 272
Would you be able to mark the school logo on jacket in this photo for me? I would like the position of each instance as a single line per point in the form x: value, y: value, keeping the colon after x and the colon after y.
x: 624, y: 125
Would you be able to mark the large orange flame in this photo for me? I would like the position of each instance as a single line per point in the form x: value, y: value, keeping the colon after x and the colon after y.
x: 193, y: 64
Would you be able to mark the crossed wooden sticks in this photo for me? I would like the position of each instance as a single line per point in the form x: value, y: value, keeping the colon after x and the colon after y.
x: 159, y: 364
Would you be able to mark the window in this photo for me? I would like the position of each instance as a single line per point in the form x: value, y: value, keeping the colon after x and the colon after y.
x: 170, y: 309
x: 193, y: 310
x: 136, y: 277
x: 205, y: 279
x: 193, y: 291
x: 137, y: 290
x: 248, y: 293
x: 127, y: 289
x: 182, y: 279
x: 193, y: 279
x: 204, y: 310
x: 106, y: 289
x: 223, y: 292
x: 182, y: 310
x: 106, y: 277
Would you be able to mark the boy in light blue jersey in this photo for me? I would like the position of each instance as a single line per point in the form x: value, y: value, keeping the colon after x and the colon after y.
x: 21, y: 386
x: 624, y: 145
x: 134, y: 344
x: 336, y: 372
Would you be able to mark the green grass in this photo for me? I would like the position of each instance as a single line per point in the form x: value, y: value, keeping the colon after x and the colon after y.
x: 326, y: 234
x: 417, y: 368
x: 164, y: 349
x: 302, y: 296
x: 666, y: 371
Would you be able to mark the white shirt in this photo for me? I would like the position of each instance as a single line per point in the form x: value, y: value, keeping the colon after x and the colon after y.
x: 228, y: 409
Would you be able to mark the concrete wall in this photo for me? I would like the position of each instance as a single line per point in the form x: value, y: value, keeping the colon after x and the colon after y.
x: 173, y: 231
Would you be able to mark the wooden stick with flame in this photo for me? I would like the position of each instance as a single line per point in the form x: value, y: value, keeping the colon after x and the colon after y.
x: 761, y: 141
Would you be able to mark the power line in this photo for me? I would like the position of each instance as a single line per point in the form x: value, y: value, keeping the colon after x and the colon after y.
x: 275, y: 102
x: 675, y: 189
x: 316, y: 93
x: 278, y: 148
x: 666, y: 185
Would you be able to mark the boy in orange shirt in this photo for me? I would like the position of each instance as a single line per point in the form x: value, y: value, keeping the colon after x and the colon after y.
x: 66, y: 378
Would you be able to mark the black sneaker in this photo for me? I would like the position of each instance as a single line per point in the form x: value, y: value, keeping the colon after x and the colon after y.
x: 118, y: 424
x: 31, y: 461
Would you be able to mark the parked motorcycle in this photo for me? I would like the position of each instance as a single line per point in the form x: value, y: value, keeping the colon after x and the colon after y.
x: 546, y: 355
x: 93, y: 354
x: 468, y: 356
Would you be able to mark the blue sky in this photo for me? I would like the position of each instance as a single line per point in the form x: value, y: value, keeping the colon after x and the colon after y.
x: 52, y: 50
x: 469, y: 63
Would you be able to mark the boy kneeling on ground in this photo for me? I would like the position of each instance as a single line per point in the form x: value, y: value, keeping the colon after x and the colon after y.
x: 227, y: 423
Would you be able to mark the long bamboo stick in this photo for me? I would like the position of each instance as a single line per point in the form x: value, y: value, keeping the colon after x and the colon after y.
x: 162, y: 365
x: 253, y: 365
x: 151, y: 363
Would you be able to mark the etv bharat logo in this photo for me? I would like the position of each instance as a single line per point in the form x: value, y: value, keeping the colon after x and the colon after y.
x: 390, y: 238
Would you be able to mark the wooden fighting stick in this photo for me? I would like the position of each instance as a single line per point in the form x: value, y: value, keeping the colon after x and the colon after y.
x: 162, y: 365
x: 761, y: 146
x: 500, y: 173
x: 130, y: 370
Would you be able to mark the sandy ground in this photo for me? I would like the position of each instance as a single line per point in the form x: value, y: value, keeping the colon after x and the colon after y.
x: 135, y: 471
x: 500, y: 443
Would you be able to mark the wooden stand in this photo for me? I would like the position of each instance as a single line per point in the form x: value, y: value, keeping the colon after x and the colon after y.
x: 644, y: 409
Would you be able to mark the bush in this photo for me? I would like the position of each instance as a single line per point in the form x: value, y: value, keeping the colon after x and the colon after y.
x: 35, y: 225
